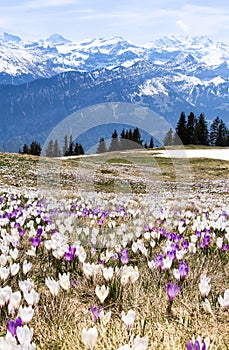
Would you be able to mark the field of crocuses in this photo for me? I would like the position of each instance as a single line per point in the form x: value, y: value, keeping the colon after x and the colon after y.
x: 112, y: 270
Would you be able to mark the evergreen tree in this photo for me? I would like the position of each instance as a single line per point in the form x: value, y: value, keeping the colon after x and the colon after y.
x: 168, y: 139
x: 56, y: 149
x: 65, y: 147
x: 25, y: 149
x: 114, y: 145
x: 49, y: 152
x: 70, y: 150
x: 137, y: 137
x: 81, y: 150
x: 151, y: 143
x: 191, y: 125
x: 101, y: 146
x: 181, y: 130
x: 35, y: 149
x: 218, y: 133
x: 200, y: 136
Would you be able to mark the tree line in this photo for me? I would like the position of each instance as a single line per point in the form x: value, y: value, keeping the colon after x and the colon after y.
x: 194, y: 130
x: 53, y: 149
x: 70, y: 148
x: 128, y: 139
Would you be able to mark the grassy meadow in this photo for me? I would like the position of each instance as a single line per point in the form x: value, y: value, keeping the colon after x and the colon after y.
x: 85, y: 240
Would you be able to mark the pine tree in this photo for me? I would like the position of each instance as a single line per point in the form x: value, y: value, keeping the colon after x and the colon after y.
x: 181, y: 130
x: 65, y: 147
x: 200, y: 136
x: 191, y: 125
x: 56, y: 149
x: 114, y: 145
x: 25, y: 149
x: 168, y: 139
x: 101, y: 146
x: 35, y: 149
x: 49, y: 152
x: 151, y: 143
x: 218, y: 133
x: 137, y: 137
x: 81, y: 150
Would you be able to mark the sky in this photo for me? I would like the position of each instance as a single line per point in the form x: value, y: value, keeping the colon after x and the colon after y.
x: 139, y: 21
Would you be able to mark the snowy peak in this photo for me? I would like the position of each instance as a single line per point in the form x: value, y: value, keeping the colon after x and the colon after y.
x: 57, y: 39
x: 10, y: 38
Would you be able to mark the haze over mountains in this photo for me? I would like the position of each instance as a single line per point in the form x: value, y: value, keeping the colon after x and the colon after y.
x: 43, y: 82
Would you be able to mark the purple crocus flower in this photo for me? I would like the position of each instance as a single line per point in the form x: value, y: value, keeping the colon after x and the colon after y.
x: 95, y: 312
x: 183, y: 269
x: 159, y: 261
x: 70, y: 254
x: 39, y: 232
x: 124, y: 256
x: 100, y: 222
x: 185, y: 244
x: 12, y: 325
x: 225, y: 247
x: 196, y: 345
x: 172, y: 291
x: 35, y: 241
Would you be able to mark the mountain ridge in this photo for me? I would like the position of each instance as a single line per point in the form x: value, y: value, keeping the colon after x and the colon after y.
x: 47, y: 81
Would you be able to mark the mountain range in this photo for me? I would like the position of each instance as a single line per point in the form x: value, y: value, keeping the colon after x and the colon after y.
x: 43, y: 82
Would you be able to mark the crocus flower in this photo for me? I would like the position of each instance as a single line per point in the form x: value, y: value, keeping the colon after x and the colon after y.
x: 124, y: 256
x: 128, y: 318
x: 172, y: 291
x: 35, y: 241
x: 102, y: 292
x: 12, y: 325
x: 197, y: 344
x: 183, y: 269
x: 24, y: 335
x: 26, y: 313
x: 89, y: 337
x: 64, y: 281
x: 204, y: 285
x: 95, y: 312
x: 224, y: 301
x: 53, y: 286
x: 69, y: 255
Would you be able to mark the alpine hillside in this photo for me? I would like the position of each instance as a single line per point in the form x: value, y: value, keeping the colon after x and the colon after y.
x: 43, y: 82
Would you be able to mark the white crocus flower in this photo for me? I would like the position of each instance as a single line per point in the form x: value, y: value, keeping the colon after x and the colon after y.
x: 102, y: 292
x: 26, y: 285
x: 4, y: 273
x: 26, y: 267
x: 140, y: 343
x: 204, y: 285
x: 207, y: 306
x: 14, y: 302
x: 64, y: 280
x: 14, y: 268
x: 26, y: 313
x: 89, y: 337
x: 108, y: 273
x: 24, y: 336
x: 128, y: 318
x: 9, y: 342
x: 53, y: 286
x: 31, y: 297
x: 5, y: 294
x: 105, y: 318
x: 224, y: 301
x: 3, y: 259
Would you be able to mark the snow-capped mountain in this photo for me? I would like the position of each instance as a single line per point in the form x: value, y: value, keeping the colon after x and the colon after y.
x: 50, y: 79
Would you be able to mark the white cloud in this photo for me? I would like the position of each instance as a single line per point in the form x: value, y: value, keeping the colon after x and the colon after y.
x: 38, y: 4
x: 182, y: 26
